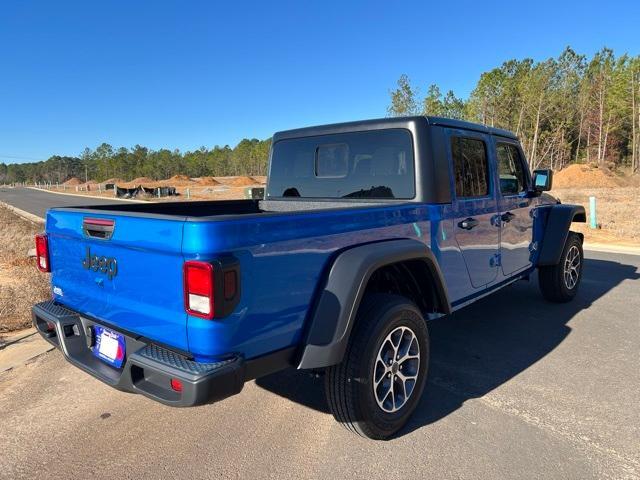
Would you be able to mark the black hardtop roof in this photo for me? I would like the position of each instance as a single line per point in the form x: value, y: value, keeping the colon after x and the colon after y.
x: 464, y: 125
x: 390, y: 122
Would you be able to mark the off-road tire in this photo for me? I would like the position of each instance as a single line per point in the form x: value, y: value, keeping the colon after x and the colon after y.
x: 553, y: 280
x: 349, y: 385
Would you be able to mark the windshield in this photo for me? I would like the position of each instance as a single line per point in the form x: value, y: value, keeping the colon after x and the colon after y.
x: 372, y: 164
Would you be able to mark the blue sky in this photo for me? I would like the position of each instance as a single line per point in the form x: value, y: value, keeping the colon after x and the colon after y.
x: 182, y: 74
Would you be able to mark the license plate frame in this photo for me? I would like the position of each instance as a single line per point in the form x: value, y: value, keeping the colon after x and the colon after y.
x: 109, y: 346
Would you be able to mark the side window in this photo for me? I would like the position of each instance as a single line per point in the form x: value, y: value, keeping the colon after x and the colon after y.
x: 512, y: 177
x: 471, y: 167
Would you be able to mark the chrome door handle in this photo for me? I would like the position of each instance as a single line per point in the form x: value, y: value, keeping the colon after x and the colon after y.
x: 507, y: 217
x: 468, y: 223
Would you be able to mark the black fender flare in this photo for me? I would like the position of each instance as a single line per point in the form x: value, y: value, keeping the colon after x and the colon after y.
x: 331, y: 318
x: 556, y: 231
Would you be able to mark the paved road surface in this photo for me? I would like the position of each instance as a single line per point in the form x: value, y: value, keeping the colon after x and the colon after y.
x: 518, y: 388
x: 37, y: 202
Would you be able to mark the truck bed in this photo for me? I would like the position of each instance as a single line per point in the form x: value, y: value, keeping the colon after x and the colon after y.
x: 225, y: 208
x: 180, y: 209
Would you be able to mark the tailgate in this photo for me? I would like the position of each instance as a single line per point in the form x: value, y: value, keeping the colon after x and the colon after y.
x: 123, y: 270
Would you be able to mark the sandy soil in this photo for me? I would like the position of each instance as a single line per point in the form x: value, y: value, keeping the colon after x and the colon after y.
x: 616, y: 213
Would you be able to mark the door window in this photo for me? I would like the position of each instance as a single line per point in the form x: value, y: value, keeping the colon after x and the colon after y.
x: 470, y: 166
x: 512, y: 177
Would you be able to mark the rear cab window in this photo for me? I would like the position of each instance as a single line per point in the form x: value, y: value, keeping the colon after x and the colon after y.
x: 375, y: 164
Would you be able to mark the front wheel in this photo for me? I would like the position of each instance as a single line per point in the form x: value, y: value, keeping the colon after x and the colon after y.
x: 378, y: 385
x: 559, y: 283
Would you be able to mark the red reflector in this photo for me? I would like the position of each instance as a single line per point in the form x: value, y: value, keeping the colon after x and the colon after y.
x: 176, y: 385
x: 103, y: 222
x: 50, y: 327
x: 42, y: 253
x: 198, y: 289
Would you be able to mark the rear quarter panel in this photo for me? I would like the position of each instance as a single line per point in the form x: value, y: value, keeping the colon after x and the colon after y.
x: 283, y: 260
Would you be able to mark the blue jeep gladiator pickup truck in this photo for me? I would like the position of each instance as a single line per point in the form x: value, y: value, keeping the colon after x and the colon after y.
x: 367, y: 230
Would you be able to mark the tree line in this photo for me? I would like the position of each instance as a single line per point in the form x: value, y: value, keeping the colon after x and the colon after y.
x: 249, y: 157
x: 564, y: 110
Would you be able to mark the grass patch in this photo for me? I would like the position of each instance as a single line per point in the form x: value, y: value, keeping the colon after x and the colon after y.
x: 21, y: 284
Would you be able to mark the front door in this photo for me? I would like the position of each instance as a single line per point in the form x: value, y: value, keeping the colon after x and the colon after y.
x: 475, y: 206
x: 515, y: 208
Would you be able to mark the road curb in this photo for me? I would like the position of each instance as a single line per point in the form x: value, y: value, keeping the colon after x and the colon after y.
x: 606, y: 248
x: 23, y: 351
x: 21, y: 213
x: 86, y: 196
x: 15, y: 338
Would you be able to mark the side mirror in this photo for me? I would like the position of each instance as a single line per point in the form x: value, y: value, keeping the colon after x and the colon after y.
x: 542, y: 180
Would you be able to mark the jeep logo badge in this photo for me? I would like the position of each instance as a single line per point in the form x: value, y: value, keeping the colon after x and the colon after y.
x: 107, y: 265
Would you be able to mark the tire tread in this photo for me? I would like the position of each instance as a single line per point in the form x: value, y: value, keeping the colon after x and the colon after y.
x: 339, y: 379
x: 550, y: 278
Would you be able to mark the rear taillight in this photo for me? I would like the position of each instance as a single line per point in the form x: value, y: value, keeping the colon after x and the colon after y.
x: 199, y: 289
x: 211, y: 289
x: 42, y: 253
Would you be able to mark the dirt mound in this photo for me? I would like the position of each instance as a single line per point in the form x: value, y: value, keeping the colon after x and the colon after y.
x: 142, y: 181
x: 73, y: 181
x: 113, y: 180
x: 584, y: 176
x: 89, y: 185
x: 180, y: 178
x: 178, y: 181
x: 242, y: 181
x: 136, y: 182
x: 208, y: 181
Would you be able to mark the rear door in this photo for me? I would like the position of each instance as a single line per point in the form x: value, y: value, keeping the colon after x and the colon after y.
x: 122, y: 270
x: 515, y: 206
x: 474, y: 206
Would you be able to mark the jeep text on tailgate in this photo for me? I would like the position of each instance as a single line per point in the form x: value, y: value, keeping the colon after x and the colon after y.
x: 367, y: 230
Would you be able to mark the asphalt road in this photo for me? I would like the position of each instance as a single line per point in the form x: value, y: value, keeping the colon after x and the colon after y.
x: 38, y: 202
x: 518, y: 388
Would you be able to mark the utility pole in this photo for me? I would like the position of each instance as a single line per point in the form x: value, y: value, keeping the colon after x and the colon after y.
x: 86, y: 174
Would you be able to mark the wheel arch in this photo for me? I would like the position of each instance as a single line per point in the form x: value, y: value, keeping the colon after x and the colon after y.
x: 332, y: 316
x: 556, y: 231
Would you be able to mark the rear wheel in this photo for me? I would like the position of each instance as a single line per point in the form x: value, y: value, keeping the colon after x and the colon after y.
x: 559, y: 283
x: 378, y: 385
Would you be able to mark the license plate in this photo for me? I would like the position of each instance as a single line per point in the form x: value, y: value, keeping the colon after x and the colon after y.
x: 109, y: 346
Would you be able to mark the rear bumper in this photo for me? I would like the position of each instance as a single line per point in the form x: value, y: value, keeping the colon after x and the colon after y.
x: 148, y: 368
